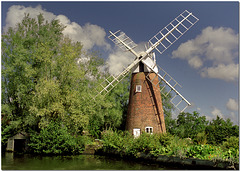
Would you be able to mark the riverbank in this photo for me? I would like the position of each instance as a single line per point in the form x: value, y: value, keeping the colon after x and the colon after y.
x: 168, y: 161
x: 183, y: 163
x: 165, y: 148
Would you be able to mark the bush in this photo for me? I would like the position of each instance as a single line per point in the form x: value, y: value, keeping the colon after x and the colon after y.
x: 118, y: 140
x: 166, y: 144
x: 124, y: 143
x: 55, y: 139
x: 201, y: 138
x: 232, y: 142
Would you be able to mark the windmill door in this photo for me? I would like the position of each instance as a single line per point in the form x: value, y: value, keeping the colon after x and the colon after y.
x: 136, y: 132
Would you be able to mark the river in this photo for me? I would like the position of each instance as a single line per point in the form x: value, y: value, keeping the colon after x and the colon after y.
x: 11, y: 161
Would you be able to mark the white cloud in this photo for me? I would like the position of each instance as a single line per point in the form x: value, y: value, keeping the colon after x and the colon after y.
x: 216, y: 112
x: 195, y: 62
x: 232, y: 105
x: 221, y: 71
x: 16, y: 13
x: 216, y: 45
x: 221, y: 44
x: 89, y: 34
x: 189, y: 51
x: 118, y: 60
x: 234, y: 118
x: 209, y: 118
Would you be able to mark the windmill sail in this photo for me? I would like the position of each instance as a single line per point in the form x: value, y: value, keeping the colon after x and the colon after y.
x: 161, y: 41
x: 172, y: 32
x: 169, y: 84
x: 109, y: 83
x: 125, y: 43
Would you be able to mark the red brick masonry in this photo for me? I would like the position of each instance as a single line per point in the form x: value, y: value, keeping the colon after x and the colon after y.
x: 145, y: 107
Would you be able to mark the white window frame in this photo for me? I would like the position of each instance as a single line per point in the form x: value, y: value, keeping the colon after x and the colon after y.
x: 138, y: 88
x: 150, y: 129
x: 136, y: 130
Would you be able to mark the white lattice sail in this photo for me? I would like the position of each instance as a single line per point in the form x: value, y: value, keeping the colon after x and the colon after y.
x: 161, y: 42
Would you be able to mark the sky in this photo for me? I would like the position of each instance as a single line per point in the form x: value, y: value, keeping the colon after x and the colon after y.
x: 204, y: 60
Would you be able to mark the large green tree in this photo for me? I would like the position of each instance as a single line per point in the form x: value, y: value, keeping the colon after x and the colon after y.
x: 40, y: 75
x: 46, y: 77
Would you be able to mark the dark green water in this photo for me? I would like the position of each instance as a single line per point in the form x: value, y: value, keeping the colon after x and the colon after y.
x: 11, y: 161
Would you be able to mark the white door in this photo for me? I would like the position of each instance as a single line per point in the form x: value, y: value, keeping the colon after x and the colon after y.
x: 136, y: 132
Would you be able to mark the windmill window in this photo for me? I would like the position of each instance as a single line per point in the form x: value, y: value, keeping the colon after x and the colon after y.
x: 138, y: 88
x: 149, y: 130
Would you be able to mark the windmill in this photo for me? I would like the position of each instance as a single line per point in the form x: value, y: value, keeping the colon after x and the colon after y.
x: 145, y: 111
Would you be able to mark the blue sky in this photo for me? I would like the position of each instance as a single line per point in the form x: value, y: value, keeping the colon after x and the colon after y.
x: 204, y: 60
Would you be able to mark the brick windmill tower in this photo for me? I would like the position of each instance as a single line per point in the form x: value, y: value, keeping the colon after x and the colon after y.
x: 145, y: 111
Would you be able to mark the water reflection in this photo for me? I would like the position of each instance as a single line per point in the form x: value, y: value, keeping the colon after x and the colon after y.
x: 11, y: 161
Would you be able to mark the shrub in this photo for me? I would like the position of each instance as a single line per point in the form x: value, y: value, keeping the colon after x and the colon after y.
x: 201, y: 138
x: 55, y: 139
x: 232, y: 142
x: 166, y: 144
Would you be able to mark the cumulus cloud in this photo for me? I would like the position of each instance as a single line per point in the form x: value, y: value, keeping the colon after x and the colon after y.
x: 118, y: 60
x: 234, y: 118
x: 219, y: 46
x: 221, y: 71
x: 89, y: 34
x: 16, y: 13
x: 216, y: 112
x: 189, y: 51
x: 195, y: 62
x: 232, y: 105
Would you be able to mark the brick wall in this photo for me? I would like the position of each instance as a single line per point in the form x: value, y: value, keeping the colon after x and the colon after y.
x: 145, y: 107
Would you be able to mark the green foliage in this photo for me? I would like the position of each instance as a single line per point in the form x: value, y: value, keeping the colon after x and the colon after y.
x: 200, y: 130
x: 46, y: 77
x: 201, y: 138
x: 166, y: 144
x: 231, y: 142
x: 7, y: 132
x: 200, y: 151
x: 123, y: 142
x: 179, y: 146
x: 219, y: 129
x: 110, y: 112
x: 188, y: 125
x: 167, y: 108
x: 27, y: 54
x: 55, y: 139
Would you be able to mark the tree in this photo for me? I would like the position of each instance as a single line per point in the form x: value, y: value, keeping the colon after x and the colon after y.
x: 26, y: 57
x: 41, y: 76
x: 112, y: 109
x: 167, y: 109
x: 219, y: 130
x: 46, y: 77
x: 189, y: 125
